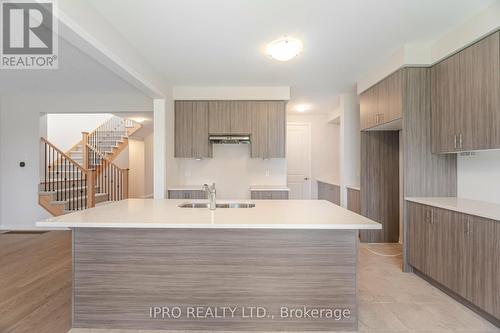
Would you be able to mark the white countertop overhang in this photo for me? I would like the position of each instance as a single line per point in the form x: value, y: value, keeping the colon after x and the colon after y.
x: 267, y: 214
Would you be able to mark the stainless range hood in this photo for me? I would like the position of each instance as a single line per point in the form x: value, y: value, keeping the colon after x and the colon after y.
x: 229, y: 139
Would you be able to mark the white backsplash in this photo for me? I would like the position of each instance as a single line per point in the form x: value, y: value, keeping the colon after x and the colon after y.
x: 479, y: 176
x: 233, y: 171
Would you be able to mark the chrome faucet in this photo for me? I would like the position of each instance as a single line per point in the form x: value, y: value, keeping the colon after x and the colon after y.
x: 211, y: 195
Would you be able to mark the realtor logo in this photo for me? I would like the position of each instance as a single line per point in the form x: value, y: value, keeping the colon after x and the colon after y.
x: 28, y: 36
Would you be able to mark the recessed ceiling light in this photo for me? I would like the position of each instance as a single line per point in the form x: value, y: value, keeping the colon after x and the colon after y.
x: 284, y: 49
x: 302, y: 108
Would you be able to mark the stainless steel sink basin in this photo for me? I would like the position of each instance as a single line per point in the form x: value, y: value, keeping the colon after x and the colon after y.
x: 219, y: 205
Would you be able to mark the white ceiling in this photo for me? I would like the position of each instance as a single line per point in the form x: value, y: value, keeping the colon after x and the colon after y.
x: 221, y: 42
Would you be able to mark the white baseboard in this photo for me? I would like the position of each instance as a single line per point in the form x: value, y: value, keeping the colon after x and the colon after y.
x: 148, y: 196
x: 6, y: 228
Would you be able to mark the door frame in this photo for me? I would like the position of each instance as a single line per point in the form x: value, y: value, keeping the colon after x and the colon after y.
x: 308, y: 125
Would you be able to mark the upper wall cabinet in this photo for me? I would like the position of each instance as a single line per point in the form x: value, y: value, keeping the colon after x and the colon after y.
x: 191, y: 129
x: 465, y: 99
x: 229, y: 117
x: 268, y: 129
x: 382, y: 103
x: 264, y: 121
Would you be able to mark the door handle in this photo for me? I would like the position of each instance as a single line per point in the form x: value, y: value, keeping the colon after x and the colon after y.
x: 306, y: 178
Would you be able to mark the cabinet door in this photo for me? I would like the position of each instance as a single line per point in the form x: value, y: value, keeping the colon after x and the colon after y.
x: 417, y: 235
x: 483, y: 287
x: 201, y: 144
x: 447, y: 100
x: 220, y: 117
x: 241, y: 117
x: 368, y: 108
x: 382, y: 95
x: 183, y: 129
x: 394, y: 96
x: 452, y: 247
x: 480, y: 126
x: 259, y: 136
x: 276, y: 134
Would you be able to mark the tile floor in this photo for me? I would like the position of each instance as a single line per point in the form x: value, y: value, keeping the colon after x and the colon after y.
x: 391, y: 301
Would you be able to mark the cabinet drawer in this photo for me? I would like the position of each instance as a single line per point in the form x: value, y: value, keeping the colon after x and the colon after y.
x: 187, y: 194
x: 269, y: 195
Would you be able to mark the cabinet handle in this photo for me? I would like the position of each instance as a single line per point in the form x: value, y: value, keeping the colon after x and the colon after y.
x: 460, y: 141
x: 455, y: 140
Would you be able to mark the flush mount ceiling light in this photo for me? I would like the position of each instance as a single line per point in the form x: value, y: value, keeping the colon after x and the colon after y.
x: 302, y: 108
x: 284, y: 49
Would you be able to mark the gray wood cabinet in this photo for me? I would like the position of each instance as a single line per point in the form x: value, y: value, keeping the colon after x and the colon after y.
x: 354, y: 200
x: 380, y: 184
x: 329, y: 192
x: 220, y: 117
x: 269, y: 195
x: 191, y: 130
x: 465, y: 91
x: 268, y: 129
x: 241, y: 117
x: 230, y: 117
x: 264, y: 121
x: 187, y: 194
x: 382, y: 103
x: 459, y: 251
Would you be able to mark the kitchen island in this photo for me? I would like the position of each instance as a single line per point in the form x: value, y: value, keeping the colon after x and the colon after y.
x: 150, y: 264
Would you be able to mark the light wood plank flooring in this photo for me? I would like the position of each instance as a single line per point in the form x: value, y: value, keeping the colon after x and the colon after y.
x: 35, y: 282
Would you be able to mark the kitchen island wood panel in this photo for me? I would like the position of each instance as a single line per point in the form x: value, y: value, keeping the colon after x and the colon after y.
x: 120, y: 273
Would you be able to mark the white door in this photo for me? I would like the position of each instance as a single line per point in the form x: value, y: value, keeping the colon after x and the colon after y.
x: 298, y: 154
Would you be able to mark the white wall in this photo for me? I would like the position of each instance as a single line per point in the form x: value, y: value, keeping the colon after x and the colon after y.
x: 141, y: 161
x: 232, y: 169
x: 427, y: 53
x: 65, y: 130
x: 479, y: 176
x: 274, y: 93
x: 350, y: 143
x: 20, y: 133
x: 325, y: 148
x: 149, y: 166
x: 136, y: 168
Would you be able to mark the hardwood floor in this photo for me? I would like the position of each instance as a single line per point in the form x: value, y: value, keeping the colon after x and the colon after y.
x: 35, y: 280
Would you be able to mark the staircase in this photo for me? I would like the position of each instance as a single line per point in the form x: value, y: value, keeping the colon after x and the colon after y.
x: 86, y: 175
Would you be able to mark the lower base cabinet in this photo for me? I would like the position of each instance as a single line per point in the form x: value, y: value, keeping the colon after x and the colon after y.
x: 329, y: 192
x: 187, y: 194
x: 459, y: 251
x: 269, y: 195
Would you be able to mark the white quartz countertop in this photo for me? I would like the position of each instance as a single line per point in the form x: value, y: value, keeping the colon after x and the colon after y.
x: 354, y: 187
x: 254, y: 188
x: 472, y: 207
x: 267, y: 214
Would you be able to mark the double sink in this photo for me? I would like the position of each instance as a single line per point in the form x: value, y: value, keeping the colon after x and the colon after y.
x: 219, y: 205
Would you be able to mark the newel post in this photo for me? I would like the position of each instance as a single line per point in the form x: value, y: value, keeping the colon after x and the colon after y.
x: 125, y: 184
x: 91, y: 178
x: 85, y: 140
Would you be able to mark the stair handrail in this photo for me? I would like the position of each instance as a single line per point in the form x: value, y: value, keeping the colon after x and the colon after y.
x: 59, y: 162
x: 104, y: 157
x: 63, y: 154
x: 117, y: 187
